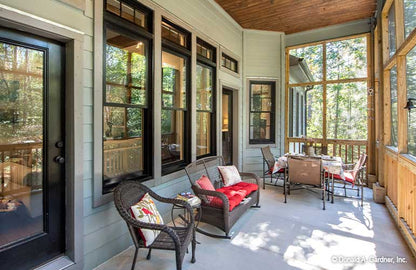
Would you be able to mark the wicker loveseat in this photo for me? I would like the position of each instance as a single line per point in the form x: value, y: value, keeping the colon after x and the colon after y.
x: 220, y: 217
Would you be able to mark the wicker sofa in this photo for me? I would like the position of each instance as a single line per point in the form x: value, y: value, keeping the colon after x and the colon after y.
x: 220, y: 217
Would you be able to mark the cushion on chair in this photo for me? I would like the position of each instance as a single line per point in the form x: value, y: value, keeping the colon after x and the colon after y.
x: 230, y: 175
x: 276, y: 168
x: 235, y: 194
x: 145, y: 211
x: 348, y: 177
x: 205, y: 183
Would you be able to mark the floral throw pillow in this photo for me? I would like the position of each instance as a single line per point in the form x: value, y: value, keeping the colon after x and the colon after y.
x: 230, y: 175
x: 145, y: 211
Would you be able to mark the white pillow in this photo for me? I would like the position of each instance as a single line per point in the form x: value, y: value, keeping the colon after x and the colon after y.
x: 145, y: 211
x: 230, y: 175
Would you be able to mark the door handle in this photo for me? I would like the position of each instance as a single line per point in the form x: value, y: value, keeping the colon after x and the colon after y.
x: 59, y: 159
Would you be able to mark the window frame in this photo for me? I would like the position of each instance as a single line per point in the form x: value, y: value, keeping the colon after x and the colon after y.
x: 272, y: 112
x: 231, y: 59
x: 211, y: 64
x: 126, y: 28
x: 185, y: 53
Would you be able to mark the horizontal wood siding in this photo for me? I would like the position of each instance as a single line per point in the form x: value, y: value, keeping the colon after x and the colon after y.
x: 262, y: 61
x: 105, y: 234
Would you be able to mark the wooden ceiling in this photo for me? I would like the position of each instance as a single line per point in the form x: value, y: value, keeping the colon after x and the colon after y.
x: 291, y: 16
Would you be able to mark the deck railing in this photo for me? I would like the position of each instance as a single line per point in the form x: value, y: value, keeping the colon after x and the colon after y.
x: 348, y: 150
x: 122, y: 157
x: 17, y: 161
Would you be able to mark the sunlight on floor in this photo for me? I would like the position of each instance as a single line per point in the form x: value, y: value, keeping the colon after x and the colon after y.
x: 257, y: 240
x: 359, y: 223
x: 318, y: 251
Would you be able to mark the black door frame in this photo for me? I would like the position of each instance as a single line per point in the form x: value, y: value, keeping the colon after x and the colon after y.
x: 50, y: 243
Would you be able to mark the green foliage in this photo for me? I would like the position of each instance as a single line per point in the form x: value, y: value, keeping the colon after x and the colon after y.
x: 411, y: 93
x: 21, y: 94
x: 346, y: 103
x: 409, y: 16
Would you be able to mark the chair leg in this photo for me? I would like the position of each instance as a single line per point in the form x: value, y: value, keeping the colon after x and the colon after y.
x: 134, y: 259
x: 149, y: 254
x: 362, y: 194
x: 193, y: 260
x: 285, y: 185
x: 345, y: 190
x: 178, y: 260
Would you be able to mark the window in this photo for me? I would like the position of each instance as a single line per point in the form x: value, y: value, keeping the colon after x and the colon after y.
x: 132, y: 14
x: 175, y: 116
x: 392, y: 30
x: 393, y: 99
x: 262, y: 107
x: 126, y: 106
x: 409, y: 16
x: 329, y: 81
x: 205, y: 100
x: 174, y: 34
x: 229, y: 63
x: 411, y: 93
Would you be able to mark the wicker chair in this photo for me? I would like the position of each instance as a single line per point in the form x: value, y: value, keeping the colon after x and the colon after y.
x: 308, y: 173
x: 178, y: 239
x: 352, y: 177
x: 221, y: 218
x: 268, y: 165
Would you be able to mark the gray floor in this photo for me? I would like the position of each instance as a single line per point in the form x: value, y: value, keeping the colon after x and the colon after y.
x: 296, y: 235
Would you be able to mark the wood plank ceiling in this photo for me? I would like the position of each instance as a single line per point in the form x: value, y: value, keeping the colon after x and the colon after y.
x: 291, y: 16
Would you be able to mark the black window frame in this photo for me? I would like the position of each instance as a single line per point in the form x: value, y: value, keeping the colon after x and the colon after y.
x: 129, y: 29
x: 272, y: 139
x: 184, y: 52
x: 211, y: 64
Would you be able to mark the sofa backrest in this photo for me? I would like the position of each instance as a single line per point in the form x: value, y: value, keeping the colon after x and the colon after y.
x: 205, y: 166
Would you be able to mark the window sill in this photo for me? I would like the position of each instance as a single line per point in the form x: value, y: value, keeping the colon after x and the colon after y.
x: 172, y: 168
x: 392, y: 149
x: 411, y: 160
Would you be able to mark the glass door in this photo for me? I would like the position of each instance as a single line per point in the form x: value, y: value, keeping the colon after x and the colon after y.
x: 227, y: 126
x: 32, y: 186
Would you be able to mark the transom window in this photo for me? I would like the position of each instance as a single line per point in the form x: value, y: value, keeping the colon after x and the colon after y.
x: 174, y: 34
x: 229, y: 63
x: 127, y: 12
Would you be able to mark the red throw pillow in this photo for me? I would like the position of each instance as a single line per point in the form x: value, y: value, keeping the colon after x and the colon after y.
x: 205, y: 183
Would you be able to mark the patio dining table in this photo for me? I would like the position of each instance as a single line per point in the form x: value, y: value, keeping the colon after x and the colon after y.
x: 330, y: 165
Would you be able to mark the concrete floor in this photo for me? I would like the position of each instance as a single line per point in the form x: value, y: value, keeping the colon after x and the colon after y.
x: 296, y: 235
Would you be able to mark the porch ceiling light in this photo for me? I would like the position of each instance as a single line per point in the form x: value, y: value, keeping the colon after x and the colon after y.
x: 409, y: 104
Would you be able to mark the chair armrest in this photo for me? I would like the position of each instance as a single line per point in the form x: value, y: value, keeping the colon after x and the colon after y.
x: 151, y: 226
x: 246, y: 177
x: 183, y: 203
x: 348, y: 165
x: 225, y: 202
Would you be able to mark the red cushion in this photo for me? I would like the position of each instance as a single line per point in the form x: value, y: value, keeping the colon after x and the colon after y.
x: 235, y: 194
x: 348, y: 177
x: 205, y: 183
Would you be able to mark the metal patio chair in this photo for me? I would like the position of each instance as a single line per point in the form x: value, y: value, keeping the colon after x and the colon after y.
x: 352, y: 177
x: 306, y: 173
x: 269, y: 162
